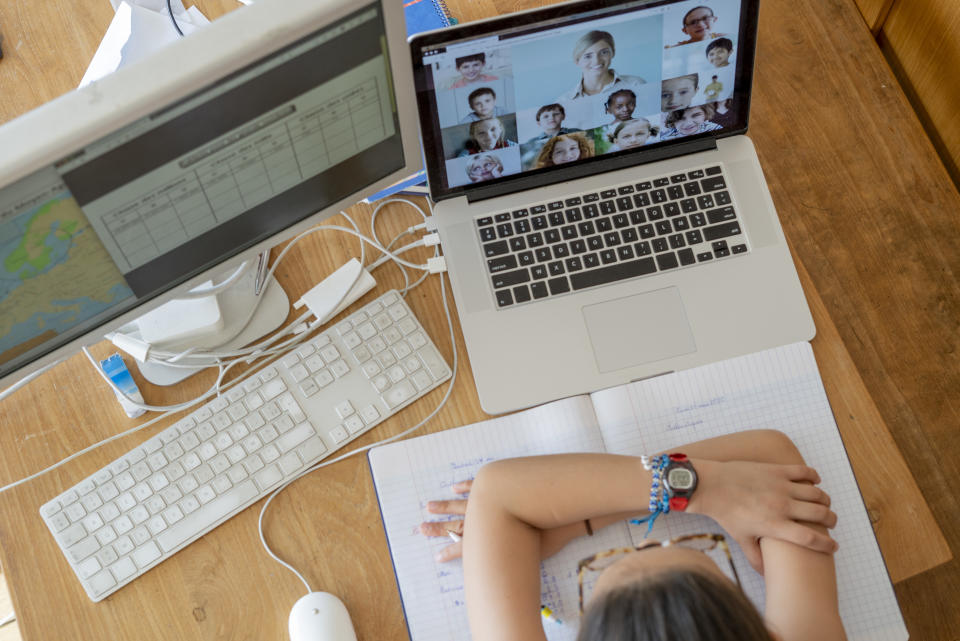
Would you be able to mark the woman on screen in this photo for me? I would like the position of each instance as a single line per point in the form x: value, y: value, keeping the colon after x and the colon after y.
x: 593, y: 53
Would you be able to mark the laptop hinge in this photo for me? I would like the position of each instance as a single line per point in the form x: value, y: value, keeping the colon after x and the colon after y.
x: 563, y: 174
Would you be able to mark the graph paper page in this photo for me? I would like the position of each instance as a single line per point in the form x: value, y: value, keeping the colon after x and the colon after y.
x: 410, y: 473
x: 781, y: 389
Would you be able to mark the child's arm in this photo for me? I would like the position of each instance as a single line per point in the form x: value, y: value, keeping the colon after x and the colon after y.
x: 514, y: 501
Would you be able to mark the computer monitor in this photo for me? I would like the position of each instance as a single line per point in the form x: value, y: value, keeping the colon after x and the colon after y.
x: 118, y: 196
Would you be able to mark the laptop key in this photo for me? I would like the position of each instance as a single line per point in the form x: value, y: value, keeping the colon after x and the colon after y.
x: 604, y: 224
x: 538, y: 209
x: 678, y: 178
x: 521, y: 226
x: 591, y: 210
x: 641, y: 200
x: 686, y: 256
x: 722, y: 230
x: 660, y: 245
x: 578, y: 246
x: 591, y: 260
x: 591, y: 198
x: 658, y: 196
x: 624, y: 252
x: 520, y: 213
x: 486, y: 220
x: 539, y: 222
x: 681, y: 223
x: 573, y: 215
x: 692, y: 188
x: 561, y: 250
x: 525, y: 258
x: 661, y: 182
x: 694, y: 237
x: 509, y: 279
x: 539, y: 289
x: 574, y: 264
x: 556, y: 268
x: 555, y: 205
x: 626, y: 189
x: 713, y: 171
x: 607, y: 207
x: 608, y: 256
x: 637, y: 217
x: 667, y: 261
x: 713, y: 183
x: 502, y: 218
x: 620, y: 221
x: 558, y: 285
x: 706, y: 201
x: 721, y: 214
x: 502, y: 264
x: 521, y: 294
x: 495, y: 249
x: 722, y: 198
x: 504, y: 230
x: 556, y: 218
x: 698, y: 220
x: 543, y: 254
x: 487, y: 234
x: 608, y: 193
x: 688, y: 205
x: 644, y: 185
x: 536, y: 239
x: 612, y: 273
x: 624, y: 203
x: 655, y: 212
x: 739, y: 249
x: 642, y: 248
x: 675, y: 192
x: 704, y: 256
x: 539, y: 271
x: 671, y: 209
x: 571, y: 202
x: 504, y: 298
x: 568, y: 232
x: 676, y: 241
x: 517, y: 244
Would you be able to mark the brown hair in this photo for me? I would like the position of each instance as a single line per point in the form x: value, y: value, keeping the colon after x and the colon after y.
x: 673, y: 604
x: 545, y: 158
x: 674, y: 116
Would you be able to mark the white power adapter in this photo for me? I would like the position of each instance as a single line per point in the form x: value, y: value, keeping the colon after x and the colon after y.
x: 182, y: 319
x: 330, y: 297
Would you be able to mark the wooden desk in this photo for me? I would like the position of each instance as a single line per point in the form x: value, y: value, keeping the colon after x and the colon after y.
x: 848, y: 166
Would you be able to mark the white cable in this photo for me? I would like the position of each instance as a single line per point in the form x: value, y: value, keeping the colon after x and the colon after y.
x: 443, y: 401
x: 219, y: 287
x: 26, y: 379
x: 10, y: 618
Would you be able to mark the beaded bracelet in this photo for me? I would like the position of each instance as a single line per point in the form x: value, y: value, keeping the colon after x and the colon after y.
x: 659, y: 502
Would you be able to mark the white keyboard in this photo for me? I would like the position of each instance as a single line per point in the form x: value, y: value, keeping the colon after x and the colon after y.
x: 143, y: 507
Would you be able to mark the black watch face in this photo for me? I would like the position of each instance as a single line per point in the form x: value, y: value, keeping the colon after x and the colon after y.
x: 680, y: 479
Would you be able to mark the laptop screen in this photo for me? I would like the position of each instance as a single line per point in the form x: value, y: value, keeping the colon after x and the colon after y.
x: 576, y: 83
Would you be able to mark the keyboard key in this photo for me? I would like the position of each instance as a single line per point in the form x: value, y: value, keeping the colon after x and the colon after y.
x: 538, y: 289
x: 667, y: 261
x: 558, y: 285
x: 521, y: 294
x: 721, y: 231
x: 713, y: 171
x: 712, y: 183
x: 721, y: 214
x: 508, y: 279
x: 501, y: 264
x: 739, y: 249
x: 686, y: 256
x: 612, y: 273
x: 504, y: 298
x: 495, y: 249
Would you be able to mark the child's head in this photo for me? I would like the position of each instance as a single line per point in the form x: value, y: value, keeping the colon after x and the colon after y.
x: 484, y: 167
x: 632, y: 133
x: 688, y: 121
x: 470, y: 66
x: 718, y: 52
x: 487, y: 134
x: 550, y: 117
x: 678, y: 93
x: 621, y: 104
x: 482, y: 101
x: 565, y: 148
x: 697, y: 23
x: 656, y: 604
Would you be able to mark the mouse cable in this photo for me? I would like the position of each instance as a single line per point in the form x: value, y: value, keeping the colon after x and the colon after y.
x: 173, y: 19
x: 407, y: 432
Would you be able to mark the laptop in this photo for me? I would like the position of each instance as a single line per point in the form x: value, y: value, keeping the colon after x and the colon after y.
x: 603, y: 215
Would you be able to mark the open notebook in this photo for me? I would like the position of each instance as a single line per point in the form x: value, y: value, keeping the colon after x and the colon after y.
x: 778, y: 388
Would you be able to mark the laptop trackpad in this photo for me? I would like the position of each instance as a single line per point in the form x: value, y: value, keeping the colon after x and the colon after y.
x: 639, y: 329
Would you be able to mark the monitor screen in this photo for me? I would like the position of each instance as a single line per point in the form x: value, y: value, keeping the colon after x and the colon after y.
x: 161, y: 200
x: 591, y: 82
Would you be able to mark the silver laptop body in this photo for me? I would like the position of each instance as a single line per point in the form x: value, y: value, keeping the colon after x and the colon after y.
x: 535, y: 349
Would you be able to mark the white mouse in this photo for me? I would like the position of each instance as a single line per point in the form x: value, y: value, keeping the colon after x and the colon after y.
x: 320, y: 616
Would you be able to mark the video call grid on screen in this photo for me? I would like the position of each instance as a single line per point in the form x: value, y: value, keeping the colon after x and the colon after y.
x: 548, y: 95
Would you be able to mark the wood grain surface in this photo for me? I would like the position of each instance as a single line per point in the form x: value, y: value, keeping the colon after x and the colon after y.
x: 920, y: 38
x: 871, y: 217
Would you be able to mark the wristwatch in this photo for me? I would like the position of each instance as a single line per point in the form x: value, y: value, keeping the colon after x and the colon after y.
x: 680, y: 481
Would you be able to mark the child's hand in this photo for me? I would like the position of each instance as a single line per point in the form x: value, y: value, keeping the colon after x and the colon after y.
x: 456, y: 507
x: 753, y: 500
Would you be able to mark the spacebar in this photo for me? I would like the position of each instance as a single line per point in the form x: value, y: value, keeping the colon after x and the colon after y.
x: 612, y: 273
x: 203, y: 519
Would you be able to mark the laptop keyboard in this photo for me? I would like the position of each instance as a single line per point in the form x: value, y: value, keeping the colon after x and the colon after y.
x: 596, y: 238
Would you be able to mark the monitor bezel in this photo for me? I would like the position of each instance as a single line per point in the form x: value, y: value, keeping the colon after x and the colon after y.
x: 69, y: 123
x: 426, y: 108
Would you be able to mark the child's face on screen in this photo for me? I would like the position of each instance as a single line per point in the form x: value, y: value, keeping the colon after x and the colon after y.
x: 566, y: 150
x: 487, y: 133
x: 470, y: 69
x: 691, y: 120
x: 550, y: 120
x: 622, y: 106
x: 486, y: 169
x: 719, y: 57
x: 633, y: 134
x: 483, y: 105
x: 698, y: 23
x: 677, y: 93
